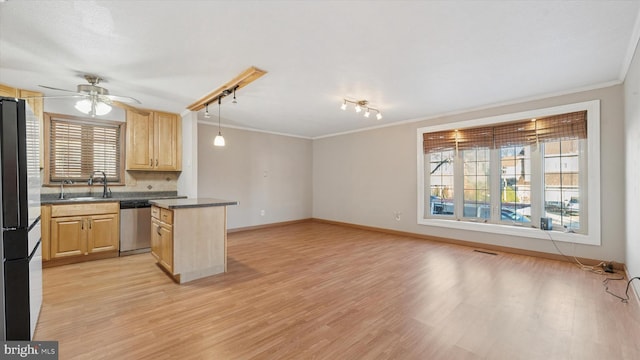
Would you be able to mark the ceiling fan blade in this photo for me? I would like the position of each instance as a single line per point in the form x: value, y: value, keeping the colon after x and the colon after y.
x: 126, y: 99
x: 56, y: 96
x: 130, y: 108
x: 52, y: 88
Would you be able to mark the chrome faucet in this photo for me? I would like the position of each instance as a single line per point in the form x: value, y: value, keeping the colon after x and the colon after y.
x: 105, y: 193
x: 68, y: 182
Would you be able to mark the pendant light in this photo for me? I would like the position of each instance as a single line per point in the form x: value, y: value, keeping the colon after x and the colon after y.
x: 219, y: 140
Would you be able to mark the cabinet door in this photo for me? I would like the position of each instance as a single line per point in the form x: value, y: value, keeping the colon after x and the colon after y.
x: 68, y: 236
x: 166, y: 247
x: 103, y: 233
x: 8, y: 91
x: 140, y: 154
x: 168, y: 142
x: 36, y: 104
x: 155, y: 239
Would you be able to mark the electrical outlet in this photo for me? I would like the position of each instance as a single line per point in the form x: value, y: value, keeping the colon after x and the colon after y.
x: 608, y: 267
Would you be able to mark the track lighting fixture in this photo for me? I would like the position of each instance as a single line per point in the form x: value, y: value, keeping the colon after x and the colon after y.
x: 219, y: 140
x: 362, y: 104
x: 206, y: 111
x: 234, y: 96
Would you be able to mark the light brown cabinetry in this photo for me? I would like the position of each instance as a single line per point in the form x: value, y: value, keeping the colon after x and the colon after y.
x: 162, y: 237
x: 34, y: 99
x: 154, y: 141
x: 8, y: 91
x: 80, y: 232
x: 189, y: 243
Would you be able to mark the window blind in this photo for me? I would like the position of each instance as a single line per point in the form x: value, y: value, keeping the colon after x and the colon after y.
x: 79, y: 148
x: 568, y: 126
x: 475, y: 138
x: 439, y: 141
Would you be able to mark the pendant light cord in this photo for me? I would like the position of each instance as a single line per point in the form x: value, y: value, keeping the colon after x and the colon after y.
x: 219, y: 104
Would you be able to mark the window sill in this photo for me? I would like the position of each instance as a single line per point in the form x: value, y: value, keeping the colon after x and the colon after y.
x: 514, y: 230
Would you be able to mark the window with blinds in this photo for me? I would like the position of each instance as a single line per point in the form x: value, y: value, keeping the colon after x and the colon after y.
x: 512, y: 171
x: 79, y: 147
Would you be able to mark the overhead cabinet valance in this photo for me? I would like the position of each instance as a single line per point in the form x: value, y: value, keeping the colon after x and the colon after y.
x: 568, y: 126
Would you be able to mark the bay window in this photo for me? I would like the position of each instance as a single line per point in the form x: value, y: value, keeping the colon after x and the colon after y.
x: 503, y: 174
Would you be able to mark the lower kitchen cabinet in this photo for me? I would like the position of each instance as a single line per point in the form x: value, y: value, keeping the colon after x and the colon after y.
x: 80, y: 232
x: 162, y: 241
x: 189, y: 242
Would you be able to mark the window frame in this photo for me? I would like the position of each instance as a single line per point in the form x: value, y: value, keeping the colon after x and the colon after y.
x: 48, y: 117
x: 593, y: 212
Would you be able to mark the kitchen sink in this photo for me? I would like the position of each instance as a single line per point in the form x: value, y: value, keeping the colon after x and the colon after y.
x: 85, y: 198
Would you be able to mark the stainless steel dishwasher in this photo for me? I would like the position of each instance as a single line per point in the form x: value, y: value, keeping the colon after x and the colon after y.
x: 135, y: 227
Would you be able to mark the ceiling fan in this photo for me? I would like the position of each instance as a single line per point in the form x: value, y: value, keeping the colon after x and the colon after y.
x: 96, y: 100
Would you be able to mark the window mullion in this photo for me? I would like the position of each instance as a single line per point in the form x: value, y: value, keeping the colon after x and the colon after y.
x: 458, y: 186
x: 496, y: 171
x: 537, y: 184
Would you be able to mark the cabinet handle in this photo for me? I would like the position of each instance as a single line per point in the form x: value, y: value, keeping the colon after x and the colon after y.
x: 82, y: 225
x: 89, y: 224
x: 158, y: 231
x: 150, y: 162
x: 156, y: 162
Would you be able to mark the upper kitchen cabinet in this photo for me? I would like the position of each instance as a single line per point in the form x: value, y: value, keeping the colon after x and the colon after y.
x: 8, y: 91
x: 34, y: 99
x: 154, y: 141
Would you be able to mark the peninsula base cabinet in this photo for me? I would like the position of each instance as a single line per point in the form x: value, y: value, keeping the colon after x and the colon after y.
x: 80, y: 232
x: 189, y: 243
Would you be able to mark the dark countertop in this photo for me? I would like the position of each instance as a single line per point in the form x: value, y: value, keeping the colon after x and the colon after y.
x: 191, y: 203
x: 76, y: 198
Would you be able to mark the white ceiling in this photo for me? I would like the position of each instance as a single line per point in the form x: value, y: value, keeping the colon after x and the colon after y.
x: 410, y: 59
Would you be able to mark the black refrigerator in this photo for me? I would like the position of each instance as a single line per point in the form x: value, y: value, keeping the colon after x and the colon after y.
x: 21, y: 253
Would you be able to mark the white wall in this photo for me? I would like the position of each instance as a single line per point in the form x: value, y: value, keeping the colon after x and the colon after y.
x: 632, y: 143
x: 262, y: 171
x: 188, y: 180
x: 365, y: 178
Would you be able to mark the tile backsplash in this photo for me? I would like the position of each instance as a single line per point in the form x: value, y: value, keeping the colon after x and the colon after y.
x: 136, y: 181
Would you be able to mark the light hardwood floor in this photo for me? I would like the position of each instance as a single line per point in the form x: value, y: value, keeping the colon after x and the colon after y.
x: 321, y: 291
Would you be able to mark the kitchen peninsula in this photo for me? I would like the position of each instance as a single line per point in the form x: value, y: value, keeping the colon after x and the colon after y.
x: 189, y: 237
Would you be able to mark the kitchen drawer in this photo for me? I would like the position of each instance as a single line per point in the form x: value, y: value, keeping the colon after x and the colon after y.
x: 166, y: 216
x: 85, y: 209
x: 155, y: 212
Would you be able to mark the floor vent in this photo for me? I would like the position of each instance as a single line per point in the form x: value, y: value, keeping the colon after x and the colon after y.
x: 485, y: 252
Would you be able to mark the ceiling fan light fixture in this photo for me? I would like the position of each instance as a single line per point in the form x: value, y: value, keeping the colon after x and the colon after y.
x: 84, y: 106
x: 102, y: 108
x: 344, y: 105
x: 367, y: 113
x: 379, y: 116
